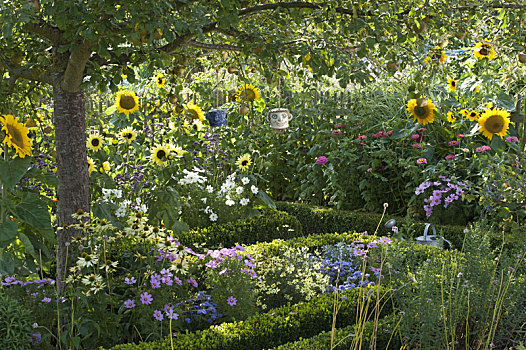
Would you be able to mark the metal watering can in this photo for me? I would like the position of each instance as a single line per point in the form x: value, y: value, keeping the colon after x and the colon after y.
x: 432, y: 240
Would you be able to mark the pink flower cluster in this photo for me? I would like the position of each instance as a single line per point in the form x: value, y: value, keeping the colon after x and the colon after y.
x: 512, y: 139
x: 321, y: 160
x: 482, y: 149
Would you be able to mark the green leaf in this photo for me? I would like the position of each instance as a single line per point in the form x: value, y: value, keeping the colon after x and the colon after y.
x: 27, y: 244
x: 12, y: 171
x: 7, y: 266
x: 33, y: 211
x: 497, y: 144
x: 110, y: 110
x: 8, y: 232
x: 266, y: 199
x: 104, y: 210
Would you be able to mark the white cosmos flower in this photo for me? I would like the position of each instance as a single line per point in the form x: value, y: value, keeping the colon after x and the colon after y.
x: 244, y: 201
x: 245, y: 180
x: 213, y: 217
x: 239, y: 190
x: 230, y: 202
x: 254, y: 189
x: 209, y: 189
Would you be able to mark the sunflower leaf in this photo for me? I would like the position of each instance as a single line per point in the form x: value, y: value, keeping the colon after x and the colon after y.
x: 33, y: 211
x: 12, y: 171
x: 8, y: 232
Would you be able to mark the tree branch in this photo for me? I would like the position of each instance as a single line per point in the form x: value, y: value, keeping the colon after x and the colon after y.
x: 217, y: 47
x: 45, y: 30
x: 74, y: 73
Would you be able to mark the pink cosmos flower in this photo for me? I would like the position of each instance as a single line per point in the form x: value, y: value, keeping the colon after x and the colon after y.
x: 512, y: 139
x: 421, y: 161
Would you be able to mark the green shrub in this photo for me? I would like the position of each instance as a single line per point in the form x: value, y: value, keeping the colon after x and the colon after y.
x: 15, y: 324
x: 278, y: 326
x: 270, y: 225
x: 323, y: 220
x: 386, y: 338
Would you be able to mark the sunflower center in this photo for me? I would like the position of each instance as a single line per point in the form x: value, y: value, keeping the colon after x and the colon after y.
x: 127, y: 102
x: 160, y: 81
x: 244, y: 163
x: 453, y: 83
x: 193, y: 113
x: 494, y: 124
x: 484, y: 50
x: 95, y: 142
x: 128, y: 135
x: 16, y: 135
x: 161, y: 154
x: 421, y: 112
x: 250, y: 95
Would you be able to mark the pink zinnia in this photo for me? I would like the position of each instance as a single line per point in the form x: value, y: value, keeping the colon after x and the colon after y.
x: 336, y: 132
x: 453, y: 143
x: 361, y: 137
x: 421, y: 161
x: 450, y: 157
x: 512, y: 139
x: 461, y: 136
x: 380, y: 134
x: 416, y: 145
x: 321, y: 160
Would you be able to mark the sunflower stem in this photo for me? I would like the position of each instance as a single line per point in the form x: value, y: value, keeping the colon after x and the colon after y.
x: 4, y: 193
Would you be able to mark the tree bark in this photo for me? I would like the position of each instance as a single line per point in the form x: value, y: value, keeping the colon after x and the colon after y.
x: 73, y: 190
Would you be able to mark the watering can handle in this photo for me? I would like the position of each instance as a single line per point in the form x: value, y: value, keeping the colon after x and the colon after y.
x: 427, y: 228
x: 448, y: 242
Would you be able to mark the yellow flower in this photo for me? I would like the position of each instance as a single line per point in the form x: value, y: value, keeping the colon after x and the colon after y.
x: 128, y: 134
x: 160, y: 80
x: 91, y: 165
x: 194, y: 111
x: 178, y: 150
x: 248, y: 93
x: 436, y: 55
x: 127, y: 102
x: 94, y: 142
x: 16, y: 135
x: 476, y: 88
x: 451, y: 117
x: 159, y: 155
x: 464, y: 112
x: 422, y: 110
x: 244, y: 161
x: 105, y: 167
x: 484, y: 50
x: 307, y: 57
x: 473, y: 115
x: 489, y: 105
x: 198, y: 125
x: 494, y: 122
x: 452, y: 84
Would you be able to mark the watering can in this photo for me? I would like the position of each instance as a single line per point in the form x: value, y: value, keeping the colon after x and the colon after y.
x: 432, y: 240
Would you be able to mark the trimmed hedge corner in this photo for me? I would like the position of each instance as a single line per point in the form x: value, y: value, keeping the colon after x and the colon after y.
x: 386, y: 338
x: 278, y: 326
x: 322, y: 220
x: 270, y: 225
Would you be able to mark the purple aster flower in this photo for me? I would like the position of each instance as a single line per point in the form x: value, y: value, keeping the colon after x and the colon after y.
x: 435, y: 201
x: 231, y: 301
x: 155, y: 283
x: 146, y: 298
x: 158, y: 315
x: 130, y: 280
x: 178, y: 281
x: 46, y: 300
x: 192, y: 282
x: 129, y: 304
x: 372, y: 245
x: 384, y: 240
x: 321, y: 160
x: 35, y: 338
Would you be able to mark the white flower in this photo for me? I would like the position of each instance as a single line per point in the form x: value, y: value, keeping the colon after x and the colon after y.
x: 230, y: 202
x: 244, y: 201
x: 239, y: 190
x: 192, y: 177
x: 245, y: 180
x: 209, y: 189
x: 254, y: 189
x: 213, y: 217
x: 204, y: 200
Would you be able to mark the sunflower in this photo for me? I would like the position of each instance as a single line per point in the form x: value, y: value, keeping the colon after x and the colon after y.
x: 244, y: 161
x: 248, y: 93
x: 91, y: 165
x: 128, y: 134
x: 484, y: 50
x: 105, y: 167
x: 160, y: 80
x: 16, y: 135
x: 494, y: 122
x: 473, y: 115
x: 127, y: 102
x: 451, y: 117
x: 464, y: 112
x: 194, y: 111
x: 94, y: 142
x: 159, y: 155
x: 423, y: 111
x: 436, y: 55
x: 452, y: 84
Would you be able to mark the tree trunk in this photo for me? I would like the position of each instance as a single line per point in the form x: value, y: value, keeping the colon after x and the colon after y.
x: 73, y: 190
